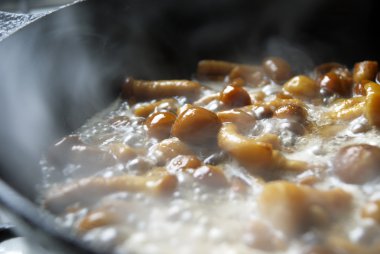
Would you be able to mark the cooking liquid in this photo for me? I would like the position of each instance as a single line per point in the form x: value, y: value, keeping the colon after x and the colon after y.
x: 199, y: 219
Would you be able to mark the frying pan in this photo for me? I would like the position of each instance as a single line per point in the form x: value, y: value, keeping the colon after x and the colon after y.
x: 61, y: 69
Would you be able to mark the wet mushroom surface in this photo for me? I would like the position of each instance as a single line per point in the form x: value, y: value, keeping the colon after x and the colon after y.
x: 243, y: 158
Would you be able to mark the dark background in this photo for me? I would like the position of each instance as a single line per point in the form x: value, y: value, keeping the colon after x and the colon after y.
x: 304, y: 32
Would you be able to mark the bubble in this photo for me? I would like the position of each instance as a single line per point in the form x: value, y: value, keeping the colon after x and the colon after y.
x: 215, y: 234
x: 288, y: 138
x: 204, y: 197
x: 108, y: 235
x: 131, y: 218
x: 198, y: 232
x: 186, y: 216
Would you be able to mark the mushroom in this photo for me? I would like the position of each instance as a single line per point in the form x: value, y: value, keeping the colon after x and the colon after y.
x: 88, y: 190
x: 148, y: 90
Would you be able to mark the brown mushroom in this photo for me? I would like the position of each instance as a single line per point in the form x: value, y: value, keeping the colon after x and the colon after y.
x: 183, y: 162
x: 88, y: 190
x: 243, y: 120
x: 210, y: 176
x: 365, y: 70
x: 371, y: 210
x: 149, y: 90
x: 338, y: 81
x: 291, y: 112
x: 197, y: 126
x: 147, y: 108
x: 214, y: 69
x: 167, y: 149
x: 357, y: 163
x: 293, y: 208
x: 277, y: 69
x: 235, y: 96
x: 160, y: 124
x: 254, y: 155
x: 253, y: 75
x: 372, y: 103
x: 302, y: 87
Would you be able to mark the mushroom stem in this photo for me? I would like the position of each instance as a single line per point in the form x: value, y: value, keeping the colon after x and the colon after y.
x: 93, y: 188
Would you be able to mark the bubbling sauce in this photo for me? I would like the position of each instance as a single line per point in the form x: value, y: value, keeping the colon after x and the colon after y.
x: 242, y: 159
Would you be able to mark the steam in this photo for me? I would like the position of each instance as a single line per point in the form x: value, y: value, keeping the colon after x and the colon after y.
x: 49, y: 85
x: 300, y: 61
x: 57, y: 72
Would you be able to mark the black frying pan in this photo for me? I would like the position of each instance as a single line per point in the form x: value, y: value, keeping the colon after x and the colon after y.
x: 58, y: 71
